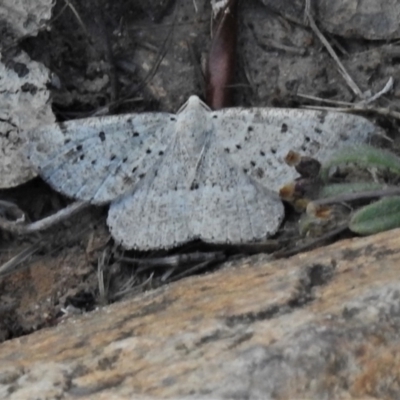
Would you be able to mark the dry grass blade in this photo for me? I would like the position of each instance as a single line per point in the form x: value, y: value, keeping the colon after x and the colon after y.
x: 45, y: 223
x: 327, y: 45
x: 15, y: 264
x: 102, y: 262
x: 73, y: 9
x: 191, y: 271
x: 130, y: 287
x: 174, y: 261
x: 311, y: 245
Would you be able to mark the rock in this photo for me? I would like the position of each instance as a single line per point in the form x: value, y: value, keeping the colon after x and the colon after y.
x: 23, y: 18
x: 26, y: 104
x: 368, y: 19
x: 24, y: 96
x: 321, y: 325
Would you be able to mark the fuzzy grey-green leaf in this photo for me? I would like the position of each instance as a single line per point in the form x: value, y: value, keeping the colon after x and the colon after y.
x: 336, y: 189
x: 364, y: 156
x: 377, y: 217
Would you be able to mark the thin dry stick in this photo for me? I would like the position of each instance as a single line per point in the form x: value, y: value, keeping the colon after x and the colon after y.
x: 15, y: 263
x: 313, y: 244
x: 358, y: 106
x: 386, y: 112
x: 73, y: 9
x: 172, y: 261
x: 129, y: 289
x: 45, y: 223
x: 342, y: 69
x: 364, y: 195
x: 387, y: 88
x: 322, y: 100
x: 194, y: 269
x: 103, y: 260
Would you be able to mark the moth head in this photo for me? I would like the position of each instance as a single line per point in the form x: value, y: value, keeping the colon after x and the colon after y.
x: 193, y: 103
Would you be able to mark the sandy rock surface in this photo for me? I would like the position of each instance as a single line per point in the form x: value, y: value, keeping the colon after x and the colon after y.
x: 323, y: 324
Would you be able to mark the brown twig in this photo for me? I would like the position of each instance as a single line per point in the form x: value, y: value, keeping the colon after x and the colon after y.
x: 221, y: 60
x: 45, y: 223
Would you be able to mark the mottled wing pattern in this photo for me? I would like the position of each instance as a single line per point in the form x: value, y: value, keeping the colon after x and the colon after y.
x: 99, y: 159
x: 188, y: 196
x: 198, y: 175
x: 156, y: 215
x: 228, y: 205
x: 258, y: 139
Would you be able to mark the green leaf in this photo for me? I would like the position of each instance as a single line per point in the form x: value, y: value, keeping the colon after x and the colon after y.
x: 336, y: 189
x: 365, y: 156
x: 379, y: 216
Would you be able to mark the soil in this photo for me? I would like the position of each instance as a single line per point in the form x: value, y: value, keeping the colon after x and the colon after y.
x: 123, y: 56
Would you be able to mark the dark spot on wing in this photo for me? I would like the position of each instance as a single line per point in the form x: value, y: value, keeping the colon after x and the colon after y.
x: 273, y: 150
x: 238, y: 146
x: 127, y: 179
x: 194, y: 186
x: 176, y: 188
x: 215, y: 116
x: 252, y: 163
x: 156, y: 172
x: 172, y: 119
x: 307, y: 139
x: 135, y: 134
x: 246, y: 138
x: 134, y: 170
x: 66, y: 141
x: 112, y: 158
x: 245, y: 170
x: 141, y: 176
x: 284, y: 128
x: 262, y: 153
x: 250, y: 129
x: 102, y: 136
x: 160, y: 153
x: 260, y: 172
x: 94, y: 162
x: 82, y: 157
x: 148, y: 151
x: 317, y: 130
x: 227, y: 150
x: 124, y: 159
x: 79, y: 147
